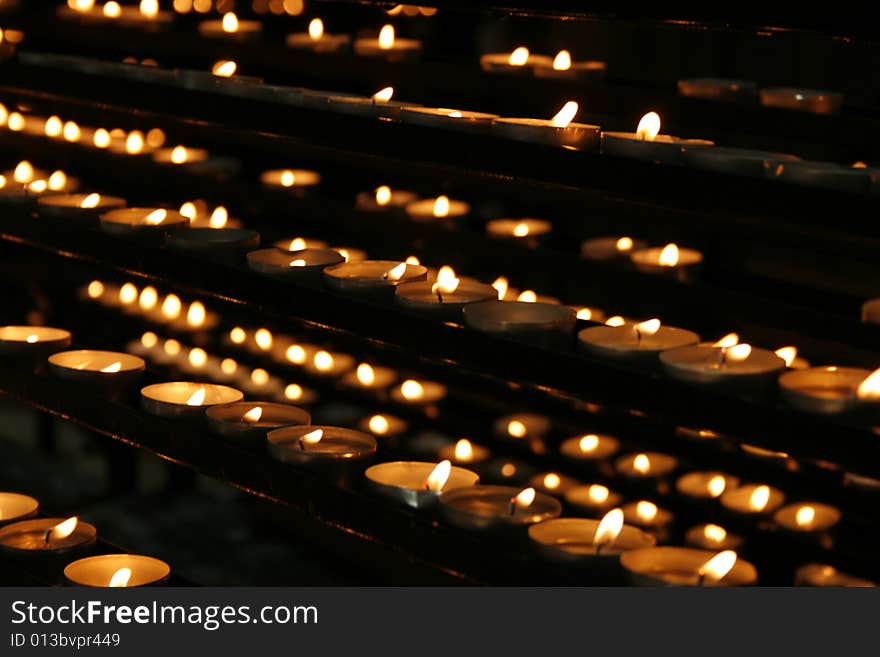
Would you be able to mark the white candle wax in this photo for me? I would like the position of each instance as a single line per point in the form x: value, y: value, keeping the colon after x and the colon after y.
x: 407, y: 482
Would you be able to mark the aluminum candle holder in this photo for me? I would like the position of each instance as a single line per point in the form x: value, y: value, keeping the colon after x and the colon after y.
x: 108, y: 370
x: 494, y: 508
x: 735, y: 161
x: 384, y: 200
x: 426, y: 297
x: 117, y: 570
x: 307, y: 264
x: 186, y: 400
x: 335, y: 452
x: 249, y: 422
x: 543, y: 323
x: 32, y: 344
x: 572, y: 541
x: 35, y: 538
x: 15, y: 507
x: 593, y: 500
x: 674, y: 566
x: 406, y: 482
x: 78, y: 209
x: 825, y: 390
x: 631, y: 343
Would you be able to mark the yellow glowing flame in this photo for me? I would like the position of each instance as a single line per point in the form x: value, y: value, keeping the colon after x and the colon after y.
x: 516, y: 429
x: 412, y: 260
x: 729, y: 340
x: 441, y: 206
x: 716, y: 485
x: 760, y: 498
x: 788, y: 354
x: 649, y: 127
x: 624, y: 244
x: 501, y: 286
x: 646, y: 511
x: 198, y: 357
x: 642, y: 464
x: 2, y: 181
x: 439, y: 476
x: 122, y: 576
x: 81, y: 5
x: 395, y: 273
x: 738, y: 353
x: 112, y: 9
x: 383, y: 195
x: 521, y: 229
x: 649, y: 327
x: 386, y: 37
x: 718, y: 566
x: 609, y: 529
x: 316, y: 29
x: 128, y: 293
x: 228, y: 366
x: 312, y: 437
x: 378, y: 424
x: 519, y: 57
x: 155, y: 137
x: 178, y: 154
x: 565, y: 115
x: 805, y: 517
x: 287, y: 178
x: 297, y: 244
x: 196, y: 314
x: 225, y: 68
x: 412, y: 390
x: 295, y: 354
x: 263, y: 339
x: 53, y: 127
x: 149, y: 8
x: 616, y: 320
x: 447, y: 282
x: 24, y: 172
x: 95, y: 289
x: 870, y: 388
x: 237, y: 335
x: 669, y: 256
x: 63, y: 529
x: 383, y: 95
x: 101, y: 139
x: 598, y: 493
x: 552, y: 481
x: 171, y: 347
x: 324, y: 361
x: 714, y: 533
x: 524, y: 498
x: 528, y: 296
x: 156, y: 217
x: 562, y: 61
x: 230, y: 22
x: 455, y: 114
x: 253, y: 415
x: 90, y: 201
x: 32, y: 339
x: 508, y: 470
x: 71, y: 131
x: 197, y: 398
x: 259, y: 376
x: 293, y: 391
x: 464, y: 450
x: 219, y: 217
x: 149, y: 339
x: 588, y: 443
x: 38, y: 186
x: 365, y: 374
x: 57, y: 181
x: 171, y: 307
x: 134, y: 142
x: 112, y: 367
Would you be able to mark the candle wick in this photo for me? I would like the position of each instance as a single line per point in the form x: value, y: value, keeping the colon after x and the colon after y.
x: 302, y: 444
x: 439, y: 296
x: 513, y: 506
x: 701, y: 579
x: 600, y: 546
x: 48, y: 537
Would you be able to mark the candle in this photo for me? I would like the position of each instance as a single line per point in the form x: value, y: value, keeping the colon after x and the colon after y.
x: 317, y: 40
x: 294, y: 392
x: 15, y: 507
x: 646, y: 143
x: 372, y: 278
x: 645, y: 465
x: 807, y: 517
x: 464, y: 452
x: 526, y: 231
x: 47, y: 537
x: 445, y: 297
x: 78, y: 209
x: 721, y: 89
x: 553, y: 483
x: 185, y: 399
x: 147, y: 223
x: 705, y: 485
x: 519, y: 61
x: 384, y: 426
x: 736, y: 161
x: 712, y: 537
x: 526, y: 427
x: 437, y: 209
x: 104, y: 369
x: 649, y: 516
x: 592, y: 499
x: 369, y: 377
x: 417, y: 484
x: 675, y: 566
x: 199, y: 216
x: 117, y: 571
x: 325, y: 364
x: 24, y: 193
x: 291, y: 244
x: 384, y: 199
x: 830, y: 390
x: 388, y: 47
x: 333, y: 450
x: 544, y: 323
x: 32, y: 343
x: 642, y: 342
x: 447, y: 118
x: 259, y: 383
x: 249, y: 422
x: 146, y: 16
x: 497, y: 508
x: 818, y: 574
x: 222, y: 244
x: 295, y: 181
x: 753, y: 499
x: 828, y: 175
x: 670, y: 260
x: 609, y: 248
x: 589, y: 447
x: 562, y: 67
x: 412, y: 392
x: 305, y: 264
x: 588, y: 542
x: 230, y: 27
x: 817, y: 101
x: 724, y: 362
x: 559, y: 131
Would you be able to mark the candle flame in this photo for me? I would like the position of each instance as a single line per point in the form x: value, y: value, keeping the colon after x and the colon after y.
x: 738, y: 353
x: 729, y: 340
x: 616, y: 320
x: 253, y: 415
x: 196, y: 314
x: 112, y: 367
x: 524, y: 498
x: 386, y: 37
x: 519, y: 57
x: 383, y: 195
x: 642, y: 464
x: 501, y: 287
x: 649, y: 127
x: 71, y: 131
x: 101, y: 139
x: 447, y: 282
x: 197, y: 398
x: 383, y: 95
x: 464, y: 450
x: 297, y: 244
x: 95, y: 289
x: 323, y: 361
x: 598, y: 493
x: 412, y: 390
x: 134, y: 142
x: 412, y: 260
x: 219, y: 217
x: 805, y: 516
x: 293, y: 391
x: 718, y: 566
x: 378, y: 424
x: 528, y: 296
x: 299, y: 262
x: 365, y: 374
x: 714, y: 533
x: 228, y: 366
x: 259, y: 376
x: 38, y: 186
x: 149, y: 339
x: 439, y: 476
x: 53, y: 126
x: 669, y: 256
x: 609, y: 529
x: 565, y: 115
x: 788, y: 354
x: 57, y: 181
x: 171, y: 307
x: 316, y: 29
x: 90, y: 201
x: 552, y: 481
x: 15, y: 122
x: 263, y: 338
x: 149, y: 8
x: 24, y: 172
x: 649, y: 327
x: 230, y: 22
x: 62, y: 530
x: 237, y: 335
x: 395, y: 273
x: 287, y: 178
x: 295, y: 354
x: 588, y: 443
x: 521, y: 229
x: 624, y: 244
x: 716, y: 485
x: 760, y: 498
x: 156, y: 217
x: 646, y: 511
x: 312, y: 437
x: 225, y: 68
x: 121, y: 577
x: 516, y: 428
x: 562, y: 61
x: 128, y: 293
x: 197, y: 357
x: 32, y: 339
x: 441, y: 206
x: 178, y: 154
x: 870, y: 388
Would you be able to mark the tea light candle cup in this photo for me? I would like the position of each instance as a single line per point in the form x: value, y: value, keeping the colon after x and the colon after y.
x: 78, y: 209
x: 562, y: 67
x: 560, y: 131
x: 465, y: 453
x: 443, y: 299
x: 185, y: 399
x: 330, y: 365
x: 117, y: 570
x: 827, y: 175
x: 671, y: 260
x: 315, y: 39
x: 414, y: 392
x: 678, y: 566
x: 642, y: 342
x: 153, y: 224
x: 389, y: 47
x: 417, y: 484
x: 705, y: 485
x: 333, y: 451
x: 32, y: 344
x: 553, y: 483
x: 305, y: 265
x: 610, y: 248
x: 647, y: 144
x: 221, y: 244
x: 818, y: 574
x: 828, y: 390
x: 384, y: 199
x: 589, y: 448
x: 650, y: 517
x: 592, y: 499
x: 249, y: 422
x: 712, y: 537
x: 375, y: 279
x: 543, y: 323
x: 807, y: 517
x: 497, y: 508
x: 447, y: 118
x: 106, y: 370
x: 517, y: 62
x: 231, y: 28
x: 817, y: 101
x: 752, y: 499
x: 442, y: 208
x: 739, y: 366
x: 291, y: 181
x: 719, y: 89
x: 180, y: 155
x: 51, y: 538
x: 386, y: 428
x: 15, y: 507
x: 526, y: 231
x: 579, y: 542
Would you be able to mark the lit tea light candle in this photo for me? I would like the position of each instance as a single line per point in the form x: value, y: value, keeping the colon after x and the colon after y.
x: 544, y: 323
x: 230, y: 27
x: 78, y: 209
x: 645, y: 465
x: 527, y: 427
x: 646, y: 143
x: 413, y: 392
x: 670, y: 260
x: 105, y: 369
x: 378, y: 104
x: 553, y: 483
x: 32, y: 343
x: 587, y: 314
x: 333, y: 450
x: 372, y: 278
x: 674, y: 566
x: 389, y: 47
x: 259, y: 383
x: 643, y: 341
x: 370, y: 377
x: 200, y: 215
x: 464, y: 452
x: 249, y: 422
x: 47, y: 537
x: 560, y: 130
x: 592, y: 499
x: 517, y: 62
x: 590, y: 447
x: 418, y: 484
x: 298, y: 394
x: 441, y: 208
x: 807, y: 517
x: 648, y: 516
x: 326, y: 364
x: 705, y: 485
x: 562, y: 67
x: 447, y: 118
x: 753, y: 499
x: 262, y: 340
x: 15, y: 507
x: 445, y: 297
x: 791, y: 358
x: 317, y: 40
x: 831, y: 390
x: 721, y: 89
x: 712, y: 537
x: 385, y: 427
x: 497, y: 508
x: 726, y: 362
x: 527, y: 231
x: 143, y: 223
x: 305, y: 264
x: 180, y: 155
x: 384, y: 199
x: 588, y: 542
x: 185, y: 399
x: 117, y: 571
x: 817, y: 101
x: 817, y: 574
x: 295, y: 181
